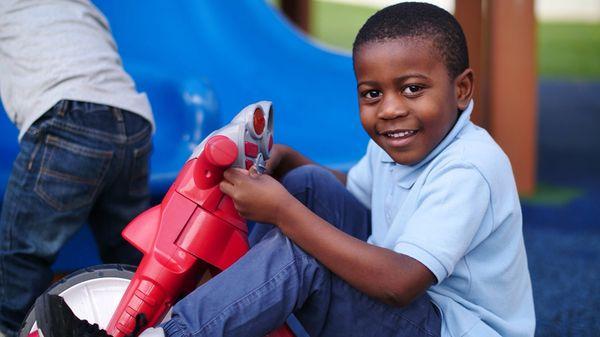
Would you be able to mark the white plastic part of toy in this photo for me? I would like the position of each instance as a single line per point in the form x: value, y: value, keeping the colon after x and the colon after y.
x: 95, y: 300
x: 241, y: 130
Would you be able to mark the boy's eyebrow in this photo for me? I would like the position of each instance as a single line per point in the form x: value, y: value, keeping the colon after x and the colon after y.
x: 405, y: 77
x: 398, y: 79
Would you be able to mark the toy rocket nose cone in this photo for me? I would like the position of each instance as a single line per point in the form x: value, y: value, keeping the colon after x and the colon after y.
x: 220, y: 151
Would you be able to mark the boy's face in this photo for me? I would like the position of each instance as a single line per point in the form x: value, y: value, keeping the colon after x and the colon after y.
x: 407, y: 101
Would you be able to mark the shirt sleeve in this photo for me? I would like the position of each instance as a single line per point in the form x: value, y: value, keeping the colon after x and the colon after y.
x: 360, y: 178
x: 452, y: 206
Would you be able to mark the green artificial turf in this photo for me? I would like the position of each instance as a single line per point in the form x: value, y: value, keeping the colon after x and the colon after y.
x: 570, y: 50
x: 552, y: 195
x: 337, y: 24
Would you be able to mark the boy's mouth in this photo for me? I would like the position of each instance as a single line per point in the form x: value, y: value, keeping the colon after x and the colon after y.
x: 399, y: 133
x: 396, y: 138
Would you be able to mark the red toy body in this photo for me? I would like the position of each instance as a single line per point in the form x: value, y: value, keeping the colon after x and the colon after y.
x: 196, y: 228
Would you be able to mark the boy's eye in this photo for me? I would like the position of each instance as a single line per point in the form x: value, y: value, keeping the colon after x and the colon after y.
x: 411, y: 90
x: 371, y: 94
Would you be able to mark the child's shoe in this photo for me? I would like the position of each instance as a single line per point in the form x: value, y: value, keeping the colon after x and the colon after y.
x: 55, y: 319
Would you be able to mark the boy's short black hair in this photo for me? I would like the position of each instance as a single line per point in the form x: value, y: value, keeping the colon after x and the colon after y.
x: 419, y: 20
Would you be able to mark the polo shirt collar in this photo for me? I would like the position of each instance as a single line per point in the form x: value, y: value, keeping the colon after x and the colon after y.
x: 408, y: 174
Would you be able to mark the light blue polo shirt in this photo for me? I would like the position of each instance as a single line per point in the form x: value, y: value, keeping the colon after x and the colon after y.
x: 458, y: 213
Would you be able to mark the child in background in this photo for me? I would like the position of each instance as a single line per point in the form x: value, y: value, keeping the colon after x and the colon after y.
x: 424, y: 239
x: 84, y: 144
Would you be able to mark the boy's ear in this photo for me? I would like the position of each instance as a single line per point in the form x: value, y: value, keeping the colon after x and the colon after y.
x: 464, y: 88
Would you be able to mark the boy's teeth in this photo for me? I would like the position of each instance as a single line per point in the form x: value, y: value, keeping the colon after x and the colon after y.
x: 400, y: 134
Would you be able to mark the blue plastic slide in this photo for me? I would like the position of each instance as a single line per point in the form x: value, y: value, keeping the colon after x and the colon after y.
x: 201, y: 61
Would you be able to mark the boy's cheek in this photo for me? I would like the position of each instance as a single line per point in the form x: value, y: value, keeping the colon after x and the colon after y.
x: 366, y: 121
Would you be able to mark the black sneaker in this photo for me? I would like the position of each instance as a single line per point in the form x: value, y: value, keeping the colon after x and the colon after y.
x: 55, y: 319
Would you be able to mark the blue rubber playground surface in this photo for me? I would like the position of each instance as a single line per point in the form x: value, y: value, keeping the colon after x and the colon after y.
x: 202, y: 61
x: 562, y: 223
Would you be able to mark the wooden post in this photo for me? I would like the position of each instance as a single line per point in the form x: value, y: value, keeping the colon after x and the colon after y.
x: 513, y: 87
x: 471, y: 16
x: 298, y: 11
x: 501, y: 38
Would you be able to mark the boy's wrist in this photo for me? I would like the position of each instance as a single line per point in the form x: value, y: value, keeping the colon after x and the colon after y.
x: 286, y: 212
x: 284, y: 155
x: 282, y: 160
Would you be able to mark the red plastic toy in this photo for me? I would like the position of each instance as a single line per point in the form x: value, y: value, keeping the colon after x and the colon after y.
x: 196, y: 228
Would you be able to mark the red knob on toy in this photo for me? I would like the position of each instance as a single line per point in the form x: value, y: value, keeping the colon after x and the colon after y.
x: 219, y: 154
x: 220, y: 151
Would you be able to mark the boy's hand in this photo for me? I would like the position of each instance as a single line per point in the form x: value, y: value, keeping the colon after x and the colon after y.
x: 276, y: 158
x: 256, y: 197
x: 284, y: 159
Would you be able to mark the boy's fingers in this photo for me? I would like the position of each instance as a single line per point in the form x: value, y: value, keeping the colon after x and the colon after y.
x: 226, y: 187
x: 234, y: 174
x: 253, y: 172
x: 227, y: 175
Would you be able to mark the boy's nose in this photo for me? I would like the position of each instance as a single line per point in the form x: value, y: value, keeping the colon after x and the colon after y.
x: 393, y: 108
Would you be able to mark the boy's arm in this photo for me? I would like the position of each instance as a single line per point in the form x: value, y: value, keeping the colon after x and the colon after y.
x: 439, y: 233
x: 284, y: 159
x: 380, y: 273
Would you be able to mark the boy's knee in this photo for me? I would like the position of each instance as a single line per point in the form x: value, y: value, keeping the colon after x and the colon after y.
x: 307, y: 176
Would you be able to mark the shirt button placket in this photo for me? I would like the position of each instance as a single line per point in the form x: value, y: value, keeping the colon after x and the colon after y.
x: 389, y: 199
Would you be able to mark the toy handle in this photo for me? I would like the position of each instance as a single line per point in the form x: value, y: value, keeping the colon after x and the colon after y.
x: 219, y: 153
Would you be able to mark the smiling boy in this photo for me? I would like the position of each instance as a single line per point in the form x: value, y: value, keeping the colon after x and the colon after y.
x: 425, y: 239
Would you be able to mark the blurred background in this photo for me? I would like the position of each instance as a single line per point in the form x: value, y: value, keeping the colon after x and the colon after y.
x: 537, y: 70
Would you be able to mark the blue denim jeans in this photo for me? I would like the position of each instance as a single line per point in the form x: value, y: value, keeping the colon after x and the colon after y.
x: 79, y: 163
x: 277, y: 278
